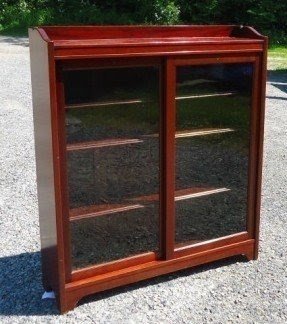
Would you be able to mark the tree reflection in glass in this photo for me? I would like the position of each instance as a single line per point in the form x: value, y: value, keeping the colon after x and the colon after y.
x: 213, y: 104
x: 112, y: 127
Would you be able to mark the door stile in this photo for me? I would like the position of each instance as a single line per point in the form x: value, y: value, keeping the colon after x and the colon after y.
x: 261, y: 115
x: 168, y: 165
x: 63, y: 163
x: 253, y: 153
x: 254, y: 142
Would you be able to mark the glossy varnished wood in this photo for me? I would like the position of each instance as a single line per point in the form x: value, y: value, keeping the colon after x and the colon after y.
x: 168, y: 166
x: 260, y: 133
x: 39, y: 56
x: 45, y: 106
x: 123, y: 41
x: 57, y: 49
x: 81, y: 288
x: 58, y: 33
x: 140, y: 202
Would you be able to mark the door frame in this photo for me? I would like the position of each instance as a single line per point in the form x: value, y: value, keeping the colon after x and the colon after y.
x: 170, y: 110
x: 167, y: 78
x: 141, y: 258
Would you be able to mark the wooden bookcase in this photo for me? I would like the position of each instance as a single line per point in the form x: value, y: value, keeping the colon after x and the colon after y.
x: 149, y: 150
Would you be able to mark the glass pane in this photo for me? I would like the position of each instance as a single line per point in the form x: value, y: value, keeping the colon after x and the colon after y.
x: 110, y: 84
x: 112, y: 128
x: 114, y: 236
x: 213, y: 105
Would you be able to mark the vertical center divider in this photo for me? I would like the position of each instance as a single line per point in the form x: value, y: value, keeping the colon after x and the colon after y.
x: 168, y: 159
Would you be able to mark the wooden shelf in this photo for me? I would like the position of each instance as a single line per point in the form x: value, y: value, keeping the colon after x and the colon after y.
x: 183, y: 194
x: 105, y: 103
x: 195, y: 194
x: 198, y: 132
x: 138, y: 100
x: 139, y: 202
x: 122, y: 141
x: 100, y: 210
x: 103, y: 143
x: 203, y: 132
x: 206, y: 95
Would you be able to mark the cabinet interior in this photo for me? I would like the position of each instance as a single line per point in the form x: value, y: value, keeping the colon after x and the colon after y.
x: 113, y: 118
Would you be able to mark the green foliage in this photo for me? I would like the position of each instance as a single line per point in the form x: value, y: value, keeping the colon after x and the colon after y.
x: 277, y: 58
x: 20, y: 14
x: 268, y: 16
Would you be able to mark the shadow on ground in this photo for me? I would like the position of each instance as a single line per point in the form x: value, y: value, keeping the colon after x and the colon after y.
x: 21, y: 287
x: 278, y: 79
x: 164, y: 278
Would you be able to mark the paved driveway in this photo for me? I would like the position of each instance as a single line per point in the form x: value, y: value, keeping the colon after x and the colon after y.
x: 230, y: 291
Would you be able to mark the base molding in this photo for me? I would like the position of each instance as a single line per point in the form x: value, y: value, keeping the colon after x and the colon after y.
x: 76, y: 290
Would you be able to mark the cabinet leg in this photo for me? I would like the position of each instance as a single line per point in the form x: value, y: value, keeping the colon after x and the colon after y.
x: 251, y: 255
x: 69, y: 304
x: 46, y: 285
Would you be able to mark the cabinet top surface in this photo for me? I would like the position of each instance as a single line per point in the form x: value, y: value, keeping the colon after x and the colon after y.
x: 113, y: 36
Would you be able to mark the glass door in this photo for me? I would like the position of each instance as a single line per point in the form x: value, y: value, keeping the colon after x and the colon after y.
x: 112, y: 135
x: 212, y: 140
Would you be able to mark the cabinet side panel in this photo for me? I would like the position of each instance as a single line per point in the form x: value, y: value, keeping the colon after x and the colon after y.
x: 44, y: 158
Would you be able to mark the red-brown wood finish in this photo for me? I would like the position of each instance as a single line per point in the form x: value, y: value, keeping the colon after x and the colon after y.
x: 260, y: 134
x: 169, y: 164
x: 54, y: 49
x: 48, y: 165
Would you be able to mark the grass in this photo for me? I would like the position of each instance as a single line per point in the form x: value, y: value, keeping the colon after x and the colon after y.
x: 277, y: 58
x: 14, y: 33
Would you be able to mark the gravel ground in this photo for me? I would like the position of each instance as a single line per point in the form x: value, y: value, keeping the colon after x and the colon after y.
x: 231, y: 291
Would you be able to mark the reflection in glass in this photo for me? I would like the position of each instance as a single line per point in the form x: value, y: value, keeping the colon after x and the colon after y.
x: 112, y: 125
x: 104, y: 85
x: 115, y: 236
x: 113, y: 174
x: 213, y: 105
